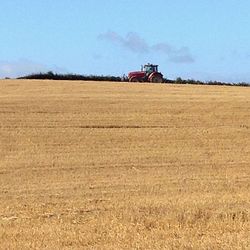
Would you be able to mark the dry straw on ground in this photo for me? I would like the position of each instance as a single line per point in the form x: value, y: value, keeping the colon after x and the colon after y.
x: 85, y: 165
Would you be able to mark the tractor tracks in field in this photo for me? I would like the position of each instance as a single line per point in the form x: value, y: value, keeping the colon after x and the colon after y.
x: 122, y: 126
x: 58, y: 126
x: 93, y: 127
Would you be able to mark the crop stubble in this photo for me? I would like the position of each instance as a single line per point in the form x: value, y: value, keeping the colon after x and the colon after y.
x: 124, y: 166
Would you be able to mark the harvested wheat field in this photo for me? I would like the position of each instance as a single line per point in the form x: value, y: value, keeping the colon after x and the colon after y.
x: 87, y: 165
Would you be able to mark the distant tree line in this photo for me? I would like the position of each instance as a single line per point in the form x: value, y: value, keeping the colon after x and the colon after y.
x: 191, y: 81
x: 76, y: 77
x: 72, y: 77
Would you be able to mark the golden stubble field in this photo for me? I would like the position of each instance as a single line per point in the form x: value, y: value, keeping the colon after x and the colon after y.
x: 87, y: 165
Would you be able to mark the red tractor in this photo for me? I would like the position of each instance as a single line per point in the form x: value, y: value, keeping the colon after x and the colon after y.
x: 148, y: 73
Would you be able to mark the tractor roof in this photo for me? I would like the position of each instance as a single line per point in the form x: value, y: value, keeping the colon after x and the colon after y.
x: 150, y: 64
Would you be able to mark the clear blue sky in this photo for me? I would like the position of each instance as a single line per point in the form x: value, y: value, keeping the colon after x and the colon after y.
x: 199, y: 39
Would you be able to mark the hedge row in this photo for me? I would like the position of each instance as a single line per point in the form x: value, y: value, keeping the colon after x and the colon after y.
x: 191, y: 81
x: 74, y: 77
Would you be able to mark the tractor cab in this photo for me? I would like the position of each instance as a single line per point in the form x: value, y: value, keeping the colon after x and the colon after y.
x: 149, y: 68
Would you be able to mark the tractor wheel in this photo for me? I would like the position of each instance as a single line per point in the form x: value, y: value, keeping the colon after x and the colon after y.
x: 134, y: 79
x: 157, y: 79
